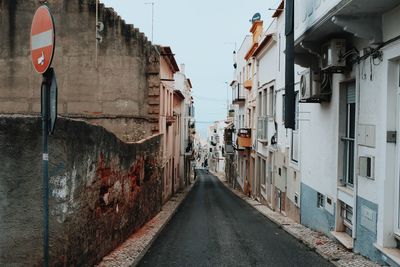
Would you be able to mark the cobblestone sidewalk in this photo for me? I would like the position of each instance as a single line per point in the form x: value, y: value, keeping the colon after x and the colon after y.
x: 326, y: 247
x: 136, y: 246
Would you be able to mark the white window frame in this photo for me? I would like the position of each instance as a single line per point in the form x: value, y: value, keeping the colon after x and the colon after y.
x: 397, y: 171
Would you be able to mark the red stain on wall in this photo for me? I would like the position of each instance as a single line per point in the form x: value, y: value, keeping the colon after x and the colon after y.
x: 109, y: 172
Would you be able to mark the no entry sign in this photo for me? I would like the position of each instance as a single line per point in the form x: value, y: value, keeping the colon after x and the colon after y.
x: 42, y: 39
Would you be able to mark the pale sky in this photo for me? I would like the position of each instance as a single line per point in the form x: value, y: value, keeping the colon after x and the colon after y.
x: 202, y: 36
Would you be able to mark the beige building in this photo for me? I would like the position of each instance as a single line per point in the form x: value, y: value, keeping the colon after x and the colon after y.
x: 178, y: 174
x: 168, y: 67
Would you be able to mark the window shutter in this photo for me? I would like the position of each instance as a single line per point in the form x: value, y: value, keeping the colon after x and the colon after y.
x: 351, y: 94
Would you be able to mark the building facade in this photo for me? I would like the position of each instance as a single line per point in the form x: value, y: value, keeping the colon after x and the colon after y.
x: 167, y: 120
x: 216, y: 147
x: 349, y: 122
x: 239, y: 99
x: 188, y: 149
x: 277, y: 175
x: 113, y: 137
x: 337, y: 171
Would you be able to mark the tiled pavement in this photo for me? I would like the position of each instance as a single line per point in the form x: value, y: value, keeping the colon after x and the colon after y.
x: 326, y: 247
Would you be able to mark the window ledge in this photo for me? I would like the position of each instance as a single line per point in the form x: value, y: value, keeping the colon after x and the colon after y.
x: 346, y: 190
x: 392, y: 253
x: 344, y: 239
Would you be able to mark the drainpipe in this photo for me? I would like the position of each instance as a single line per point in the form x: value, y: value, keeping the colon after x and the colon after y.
x: 290, y: 108
x: 356, y: 169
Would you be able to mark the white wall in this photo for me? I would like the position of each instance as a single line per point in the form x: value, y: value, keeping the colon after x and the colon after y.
x: 309, y: 12
x: 319, y: 139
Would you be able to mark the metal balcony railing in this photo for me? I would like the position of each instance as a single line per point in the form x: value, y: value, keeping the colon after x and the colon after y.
x: 238, y: 94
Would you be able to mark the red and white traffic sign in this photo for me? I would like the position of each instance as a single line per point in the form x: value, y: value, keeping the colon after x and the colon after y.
x: 42, y: 39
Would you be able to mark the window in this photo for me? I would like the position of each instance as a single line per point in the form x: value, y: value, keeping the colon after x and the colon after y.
x: 348, y: 140
x: 264, y: 103
x: 346, y: 212
x: 262, y: 172
x: 271, y: 101
x: 320, y: 200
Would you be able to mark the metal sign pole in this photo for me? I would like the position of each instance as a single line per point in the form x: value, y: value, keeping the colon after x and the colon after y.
x: 42, y: 52
x: 45, y: 166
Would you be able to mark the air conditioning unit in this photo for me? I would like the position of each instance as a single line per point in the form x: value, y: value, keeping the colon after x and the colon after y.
x: 332, y: 55
x: 310, y: 85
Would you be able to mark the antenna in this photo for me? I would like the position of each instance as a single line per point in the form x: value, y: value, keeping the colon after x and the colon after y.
x: 152, y: 19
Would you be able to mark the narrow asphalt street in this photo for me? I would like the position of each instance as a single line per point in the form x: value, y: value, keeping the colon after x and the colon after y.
x: 213, y: 227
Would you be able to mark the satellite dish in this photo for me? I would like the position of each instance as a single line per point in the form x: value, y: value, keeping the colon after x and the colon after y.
x: 256, y: 17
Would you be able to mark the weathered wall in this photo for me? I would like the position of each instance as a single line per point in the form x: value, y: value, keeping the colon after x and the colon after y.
x: 101, y: 190
x: 313, y: 217
x: 124, y: 84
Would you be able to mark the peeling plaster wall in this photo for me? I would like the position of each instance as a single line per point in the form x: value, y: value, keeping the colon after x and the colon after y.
x: 101, y: 190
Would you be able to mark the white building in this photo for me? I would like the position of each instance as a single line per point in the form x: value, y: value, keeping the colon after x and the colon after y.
x: 349, y: 158
x: 216, y: 147
x: 277, y: 174
x: 239, y: 98
x: 187, y: 122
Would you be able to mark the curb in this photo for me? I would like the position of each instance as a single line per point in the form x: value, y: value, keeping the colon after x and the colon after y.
x: 335, y: 253
x: 136, y: 246
x: 158, y: 232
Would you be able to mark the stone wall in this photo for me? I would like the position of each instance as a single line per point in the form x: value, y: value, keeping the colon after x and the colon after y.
x: 101, y: 191
x: 121, y: 83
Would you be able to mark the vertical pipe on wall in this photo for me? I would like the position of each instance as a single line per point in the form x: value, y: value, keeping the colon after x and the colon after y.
x: 289, y: 66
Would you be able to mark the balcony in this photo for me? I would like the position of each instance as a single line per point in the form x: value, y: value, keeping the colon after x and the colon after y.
x: 238, y: 96
x: 248, y: 84
x: 244, y: 137
x: 262, y: 130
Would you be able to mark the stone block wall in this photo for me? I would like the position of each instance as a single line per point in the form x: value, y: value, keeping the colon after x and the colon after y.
x: 122, y: 82
x: 101, y: 191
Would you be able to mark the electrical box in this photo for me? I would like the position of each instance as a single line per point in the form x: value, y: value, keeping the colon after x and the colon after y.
x: 366, y: 135
x: 370, y: 135
x: 366, y: 167
x: 333, y: 54
x: 361, y: 134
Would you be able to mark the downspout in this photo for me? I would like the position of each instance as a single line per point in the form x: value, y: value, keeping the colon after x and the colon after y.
x: 356, y: 169
x: 289, y: 66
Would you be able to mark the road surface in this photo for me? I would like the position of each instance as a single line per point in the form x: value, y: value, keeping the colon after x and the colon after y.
x: 214, y: 227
